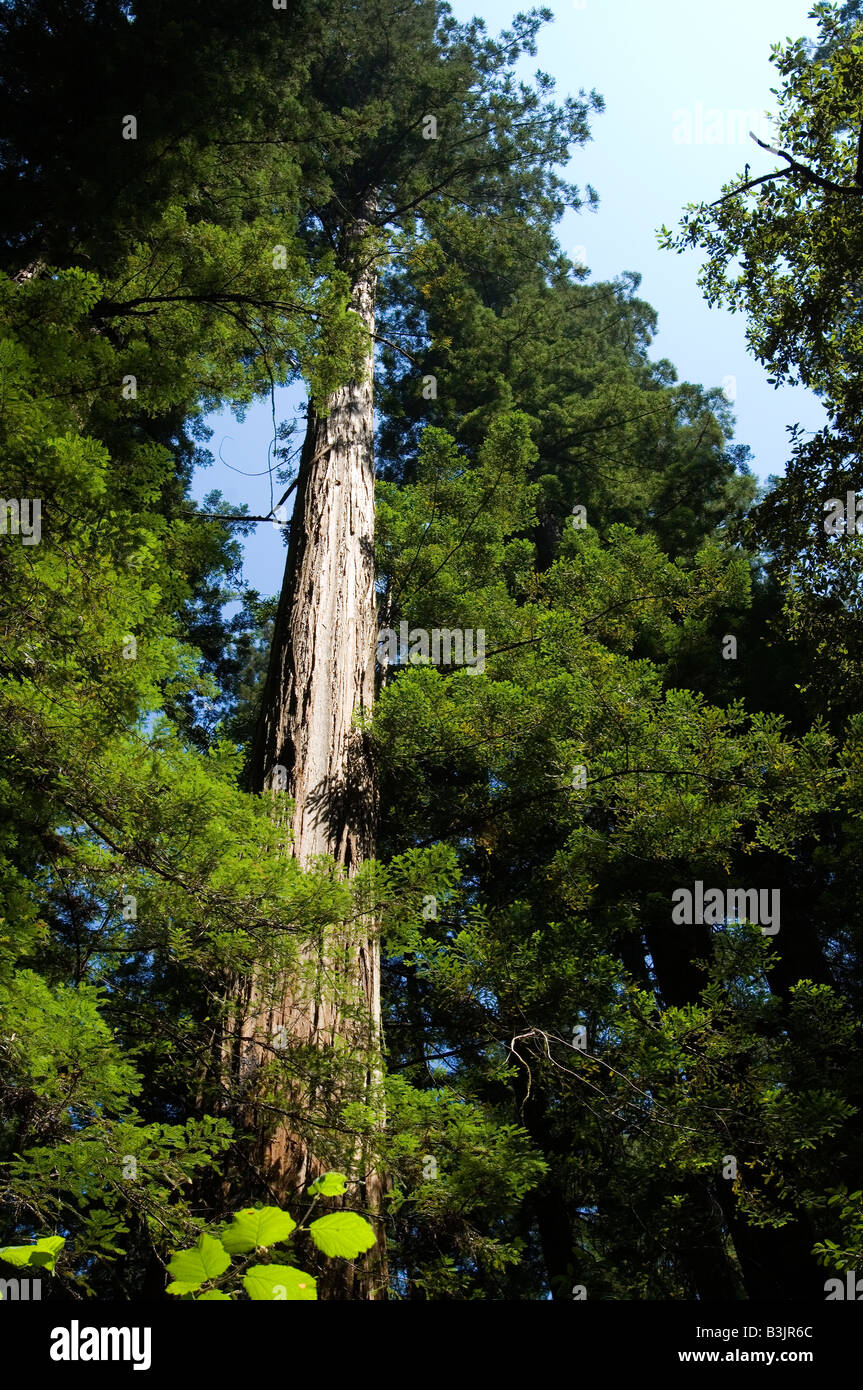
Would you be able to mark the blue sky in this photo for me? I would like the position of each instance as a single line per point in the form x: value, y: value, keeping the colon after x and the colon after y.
x: 677, y: 77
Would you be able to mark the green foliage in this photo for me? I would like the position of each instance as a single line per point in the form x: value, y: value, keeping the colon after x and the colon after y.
x: 343, y: 1234
x: 41, y: 1255
x: 558, y: 917
x: 279, y: 1283
x: 191, y: 1268
x: 330, y: 1185
x: 784, y: 248
x: 257, y: 1227
x: 115, y: 952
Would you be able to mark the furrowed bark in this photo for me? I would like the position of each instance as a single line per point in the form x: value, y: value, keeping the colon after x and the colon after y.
x: 321, y: 676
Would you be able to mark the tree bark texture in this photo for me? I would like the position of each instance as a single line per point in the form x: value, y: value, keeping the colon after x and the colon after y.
x: 320, y: 679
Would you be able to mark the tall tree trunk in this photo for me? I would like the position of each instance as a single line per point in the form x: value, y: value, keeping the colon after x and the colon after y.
x: 321, y: 676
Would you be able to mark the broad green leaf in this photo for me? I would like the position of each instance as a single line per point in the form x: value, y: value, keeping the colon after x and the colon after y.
x: 257, y: 1227
x: 212, y: 1295
x: 43, y: 1254
x: 206, y: 1260
x: 344, y: 1234
x: 329, y: 1185
x: 279, y: 1284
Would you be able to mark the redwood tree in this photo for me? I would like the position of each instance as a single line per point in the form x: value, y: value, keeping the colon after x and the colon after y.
x: 415, y: 116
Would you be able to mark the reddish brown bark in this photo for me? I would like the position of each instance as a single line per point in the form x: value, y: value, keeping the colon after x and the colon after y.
x: 320, y: 678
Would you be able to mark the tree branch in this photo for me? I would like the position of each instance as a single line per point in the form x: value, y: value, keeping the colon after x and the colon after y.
x: 111, y: 309
x: 226, y: 516
x: 804, y: 170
